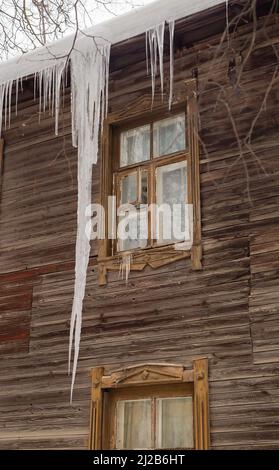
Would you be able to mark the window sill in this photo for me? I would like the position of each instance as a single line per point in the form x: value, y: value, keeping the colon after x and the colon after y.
x: 155, y: 257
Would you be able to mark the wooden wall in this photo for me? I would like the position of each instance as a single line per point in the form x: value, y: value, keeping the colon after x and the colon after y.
x: 228, y: 311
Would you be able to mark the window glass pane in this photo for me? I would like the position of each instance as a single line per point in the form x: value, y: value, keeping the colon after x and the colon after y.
x: 133, y: 424
x: 133, y: 229
x: 171, y: 197
x: 169, y: 135
x: 129, y: 189
x: 135, y: 146
x: 174, y: 426
x: 133, y: 220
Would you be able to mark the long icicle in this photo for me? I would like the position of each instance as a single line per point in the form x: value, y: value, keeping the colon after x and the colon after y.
x: 58, y: 78
x: 152, y: 39
x: 2, y: 94
x: 171, y: 38
x: 160, y: 33
x: 155, y: 51
x: 89, y: 102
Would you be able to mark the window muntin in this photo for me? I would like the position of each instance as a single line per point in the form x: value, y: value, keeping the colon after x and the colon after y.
x: 156, y: 148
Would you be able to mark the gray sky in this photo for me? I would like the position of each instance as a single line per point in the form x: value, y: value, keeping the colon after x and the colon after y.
x: 118, y: 7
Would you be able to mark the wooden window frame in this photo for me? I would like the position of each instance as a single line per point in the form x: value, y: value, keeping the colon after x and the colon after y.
x: 140, y: 113
x: 150, y: 166
x: 150, y: 375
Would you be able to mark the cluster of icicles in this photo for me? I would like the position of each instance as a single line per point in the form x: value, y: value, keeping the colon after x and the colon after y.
x: 89, y: 63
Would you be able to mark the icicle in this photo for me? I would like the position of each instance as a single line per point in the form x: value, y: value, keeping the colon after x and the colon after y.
x: 125, y: 266
x: 160, y: 33
x: 171, y: 35
x: 107, y: 62
x: 53, y: 83
x: 58, y: 78
x: 48, y: 84
x: 156, y: 49
x: 152, y: 39
x: 6, y: 102
x: 155, y: 52
x: 45, y: 79
x: 10, y: 101
x: 90, y: 70
x: 64, y: 84
x: 16, y: 95
x: 2, y: 93
x: 34, y: 86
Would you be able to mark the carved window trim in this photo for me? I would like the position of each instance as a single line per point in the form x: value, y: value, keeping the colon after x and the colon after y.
x: 149, y: 375
x: 158, y: 256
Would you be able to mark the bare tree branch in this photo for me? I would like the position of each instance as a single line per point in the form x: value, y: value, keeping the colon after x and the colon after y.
x: 27, y: 24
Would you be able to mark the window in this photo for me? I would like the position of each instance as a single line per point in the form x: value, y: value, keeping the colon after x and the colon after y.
x: 150, y: 166
x: 150, y: 407
x: 152, y: 169
x: 159, y: 418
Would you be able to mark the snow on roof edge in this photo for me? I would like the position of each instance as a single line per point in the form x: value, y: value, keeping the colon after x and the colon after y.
x: 115, y: 30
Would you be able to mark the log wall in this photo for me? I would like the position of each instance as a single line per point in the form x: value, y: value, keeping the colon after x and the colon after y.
x: 227, y: 312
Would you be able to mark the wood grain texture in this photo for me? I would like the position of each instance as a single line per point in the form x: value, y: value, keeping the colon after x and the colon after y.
x: 1, y: 164
x: 227, y: 312
x: 201, y: 405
